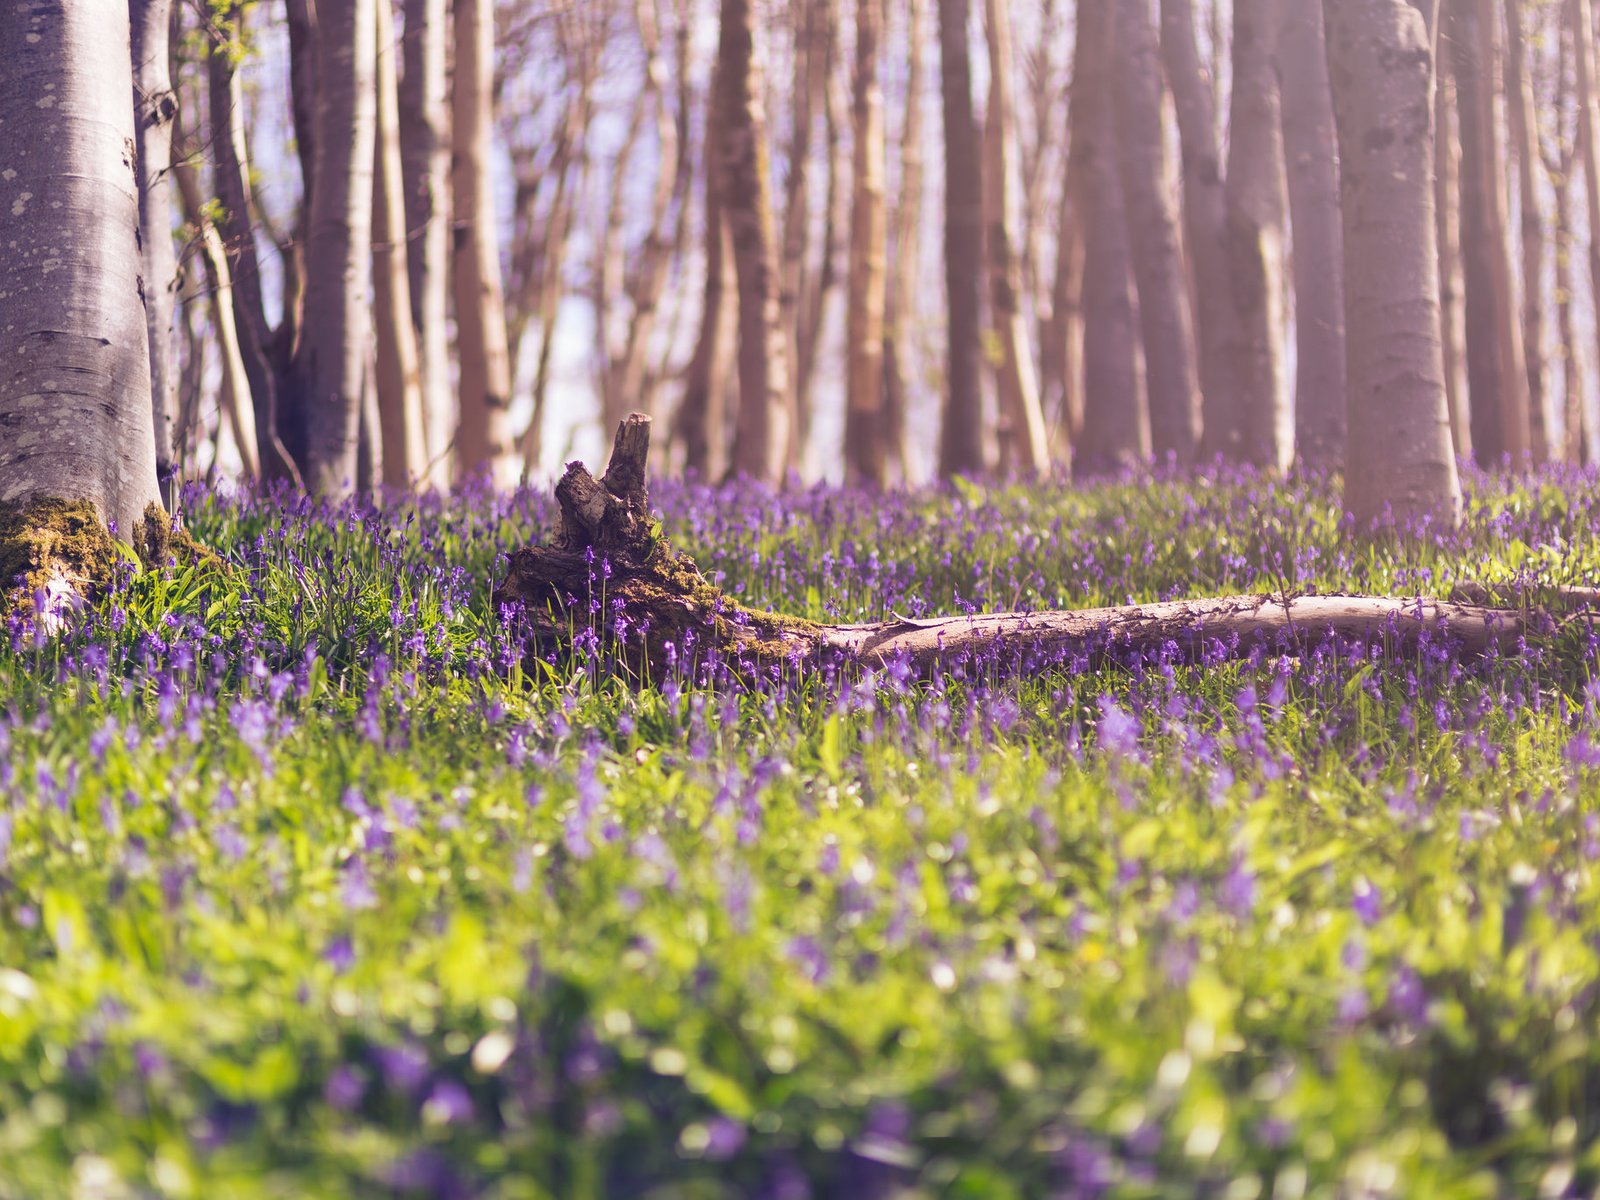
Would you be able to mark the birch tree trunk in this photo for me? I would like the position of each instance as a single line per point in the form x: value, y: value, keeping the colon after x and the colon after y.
x: 865, y: 435
x: 397, y: 377
x: 1447, y: 220
x: 425, y: 163
x: 1399, y: 462
x: 1254, y: 239
x: 74, y: 345
x: 1523, y: 124
x: 1311, y: 151
x: 763, y: 425
x: 1116, y: 423
x: 483, y: 436
x: 154, y: 107
x: 331, y: 359
x: 1497, y: 377
x: 1205, y: 221
x: 1171, y: 369
x: 1024, y: 443
x: 961, y: 433
x: 1581, y: 23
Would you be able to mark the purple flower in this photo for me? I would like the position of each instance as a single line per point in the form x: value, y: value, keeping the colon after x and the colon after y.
x: 1365, y: 903
x: 1408, y: 999
x: 340, y: 954
x: 724, y: 1138
x: 448, y: 1104
x: 344, y: 1088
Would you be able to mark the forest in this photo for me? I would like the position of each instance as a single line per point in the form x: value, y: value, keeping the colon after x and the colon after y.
x: 783, y: 599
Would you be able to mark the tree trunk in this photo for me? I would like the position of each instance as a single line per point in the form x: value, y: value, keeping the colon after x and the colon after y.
x: 74, y: 345
x: 1205, y: 216
x: 331, y: 359
x: 1582, y: 22
x: 1559, y: 165
x: 154, y: 106
x: 1523, y: 122
x: 1023, y: 441
x: 1171, y: 369
x: 1447, y: 220
x: 1398, y: 462
x: 1497, y: 377
x: 865, y: 435
x: 1311, y: 151
x: 1116, y: 424
x: 762, y: 429
x: 899, y: 341
x: 1254, y: 239
x: 398, y: 377
x: 810, y: 80
x: 483, y: 437
x: 961, y: 433
x: 702, y: 413
x: 425, y: 162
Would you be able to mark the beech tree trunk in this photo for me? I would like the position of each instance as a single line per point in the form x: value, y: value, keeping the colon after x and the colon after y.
x: 1254, y: 239
x: 961, y: 433
x: 1581, y: 21
x: 398, y: 378
x: 1311, y: 151
x: 1399, y: 462
x: 899, y: 341
x: 1447, y: 220
x: 1497, y: 377
x: 1205, y: 216
x: 1116, y: 423
x: 331, y: 359
x: 425, y: 163
x: 1024, y: 444
x: 1171, y: 368
x: 1559, y: 165
x: 865, y: 433
x: 762, y: 429
x: 75, y: 401
x: 483, y: 436
x: 154, y: 106
x: 1523, y: 124
x: 702, y: 411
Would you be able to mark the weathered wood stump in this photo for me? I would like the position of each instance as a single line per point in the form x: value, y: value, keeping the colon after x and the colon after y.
x: 611, y: 569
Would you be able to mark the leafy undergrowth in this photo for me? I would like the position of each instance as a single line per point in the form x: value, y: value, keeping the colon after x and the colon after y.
x: 312, y: 885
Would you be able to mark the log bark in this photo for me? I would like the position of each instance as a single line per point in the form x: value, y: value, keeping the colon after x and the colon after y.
x: 610, y: 571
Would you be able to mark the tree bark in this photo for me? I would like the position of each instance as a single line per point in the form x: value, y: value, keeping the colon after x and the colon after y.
x: 1559, y: 165
x: 75, y: 402
x: 398, y: 378
x: 483, y: 436
x: 865, y: 435
x: 762, y: 429
x: 1497, y: 377
x: 425, y: 162
x: 1447, y: 220
x: 899, y: 342
x: 331, y: 359
x: 1024, y: 444
x: 1523, y: 123
x: 155, y: 105
x: 1399, y: 462
x: 1581, y: 22
x: 1116, y: 423
x: 961, y: 446
x: 1311, y: 151
x: 1205, y: 221
x: 702, y: 413
x: 1171, y: 368
x: 1254, y: 239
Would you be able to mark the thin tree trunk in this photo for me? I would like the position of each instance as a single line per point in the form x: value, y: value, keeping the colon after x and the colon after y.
x: 1205, y: 222
x: 1116, y: 423
x: 762, y: 429
x: 865, y: 437
x: 702, y: 414
x: 1497, y: 376
x: 1171, y: 368
x: 331, y: 358
x: 425, y: 162
x: 1311, y: 151
x: 1398, y: 463
x: 155, y: 104
x: 1581, y: 23
x: 961, y: 434
x: 810, y: 69
x: 1254, y: 236
x: 1024, y: 442
x: 483, y: 437
x: 901, y: 306
x: 1523, y: 123
x: 1559, y: 165
x: 1447, y: 203
x: 398, y: 378
x: 75, y: 389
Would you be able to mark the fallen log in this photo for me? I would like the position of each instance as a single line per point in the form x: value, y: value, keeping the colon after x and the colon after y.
x: 611, y: 570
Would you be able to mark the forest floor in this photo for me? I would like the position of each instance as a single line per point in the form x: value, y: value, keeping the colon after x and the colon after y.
x: 313, y: 884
